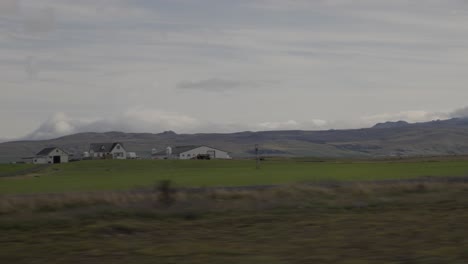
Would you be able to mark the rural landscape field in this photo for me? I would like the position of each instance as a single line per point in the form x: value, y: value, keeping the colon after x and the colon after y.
x: 96, y: 175
x: 233, y: 132
x: 287, y: 211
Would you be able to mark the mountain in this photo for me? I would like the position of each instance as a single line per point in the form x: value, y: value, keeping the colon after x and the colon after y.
x: 440, y: 137
x: 391, y: 124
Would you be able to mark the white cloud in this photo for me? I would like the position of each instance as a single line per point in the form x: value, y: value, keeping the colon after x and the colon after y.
x: 142, y: 119
x: 314, y: 124
x: 136, y: 119
x: 290, y: 124
x: 57, y: 125
x: 460, y: 113
x: 157, y: 119
x: 409, y: 116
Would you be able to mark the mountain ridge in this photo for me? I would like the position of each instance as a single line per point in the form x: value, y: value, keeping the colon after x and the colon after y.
x: 438, y: 137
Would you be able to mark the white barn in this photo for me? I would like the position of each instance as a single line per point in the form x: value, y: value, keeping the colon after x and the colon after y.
x: 191, y: 152
x: 114, y: 150
x: 51, y: 155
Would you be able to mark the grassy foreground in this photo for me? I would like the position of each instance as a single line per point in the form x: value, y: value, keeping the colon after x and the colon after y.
x: 420, y: 223
x: 131, y: 174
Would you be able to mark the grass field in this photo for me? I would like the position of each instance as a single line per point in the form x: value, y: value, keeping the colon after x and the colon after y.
x: 11, y: 168
x: 95, y: 212
x: 131, y: 174
x: 396, y: 223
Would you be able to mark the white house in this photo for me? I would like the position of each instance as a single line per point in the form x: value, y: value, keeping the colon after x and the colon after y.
x: 191, y: 152
x: 114, y: 150
x: 51, y: 155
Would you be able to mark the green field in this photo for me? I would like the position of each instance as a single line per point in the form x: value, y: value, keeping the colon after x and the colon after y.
x: 80, y: 213
x: 11, y: 168
x: 131, y: 174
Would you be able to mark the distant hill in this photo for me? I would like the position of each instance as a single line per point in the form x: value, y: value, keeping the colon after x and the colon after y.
x: 441, y: 137
x: 391, y: 124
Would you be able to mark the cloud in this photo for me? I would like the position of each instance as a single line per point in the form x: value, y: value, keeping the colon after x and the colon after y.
x: 9, y: 7
x: 57, y: 125
x: 409, y: 116
x: 141, y: 119
x: 40, y: 21
x: 338, y: 59
x: 460, y: 113
x: 220, y: 85
x: 133, y: 120
x: 210, y: 85
x: 292, y: 125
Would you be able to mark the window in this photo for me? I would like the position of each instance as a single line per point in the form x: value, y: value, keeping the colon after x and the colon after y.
x: 56, y: 150
x: 118, y: 147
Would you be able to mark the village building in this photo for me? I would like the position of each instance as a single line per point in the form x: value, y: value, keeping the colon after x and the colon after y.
x: 191, y: 152
x: 51, y: 155
x: 114, y: 150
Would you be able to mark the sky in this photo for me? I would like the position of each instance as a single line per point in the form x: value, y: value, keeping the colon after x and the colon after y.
x: 197, y: 66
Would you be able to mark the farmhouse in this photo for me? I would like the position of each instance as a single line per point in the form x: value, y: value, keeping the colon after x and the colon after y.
x: 191, y: 152
x: 114, y: 150
x: 51, y: 155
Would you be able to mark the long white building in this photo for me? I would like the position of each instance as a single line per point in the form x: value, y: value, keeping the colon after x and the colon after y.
x: 191, y: 152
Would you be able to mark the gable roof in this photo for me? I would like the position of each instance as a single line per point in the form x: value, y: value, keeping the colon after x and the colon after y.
x: 104, y: 147
x: 182, y: 149
x: 47, y: 151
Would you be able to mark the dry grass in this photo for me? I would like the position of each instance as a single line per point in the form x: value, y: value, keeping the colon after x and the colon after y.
x: 220, y: 199
x: 399, y: 222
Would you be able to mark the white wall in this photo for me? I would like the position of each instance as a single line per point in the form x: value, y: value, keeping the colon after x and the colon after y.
x: 40, y: 160
x: 50, y: 158
x: 119, y: 152
x: 215, y: 153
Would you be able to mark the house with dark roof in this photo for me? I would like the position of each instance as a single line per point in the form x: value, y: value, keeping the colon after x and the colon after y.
x: 51, y: 155
x: 191, y: 152
x: 114, y: 150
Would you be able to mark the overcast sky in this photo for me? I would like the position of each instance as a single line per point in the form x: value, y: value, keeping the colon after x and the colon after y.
x: 71, y: 66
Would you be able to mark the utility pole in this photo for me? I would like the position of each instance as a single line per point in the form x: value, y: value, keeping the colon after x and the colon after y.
x: 257, y: 160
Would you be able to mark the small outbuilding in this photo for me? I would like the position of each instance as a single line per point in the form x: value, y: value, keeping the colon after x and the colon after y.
x: 191, y: 152
x: 114, y: 150
x: 52, y: 155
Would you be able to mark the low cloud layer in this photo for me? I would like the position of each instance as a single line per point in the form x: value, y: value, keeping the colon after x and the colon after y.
x: 139, y: 120
x: 132, y: 120
x: 408, y: 116
x: 460, y: 113
x: 315, y: 124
